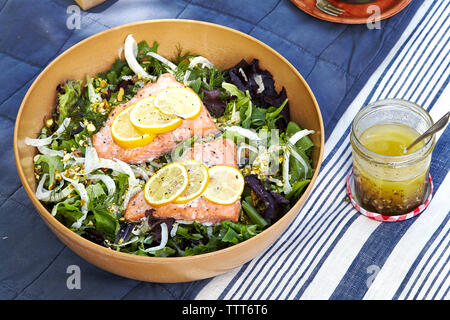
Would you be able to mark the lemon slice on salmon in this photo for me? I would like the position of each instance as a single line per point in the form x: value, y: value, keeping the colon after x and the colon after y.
x: 181, y: 102
x: 225, y: 185
x: 167, y: 184
x: 198, y: 181
x: 147, y: 118
x: 125, y: 134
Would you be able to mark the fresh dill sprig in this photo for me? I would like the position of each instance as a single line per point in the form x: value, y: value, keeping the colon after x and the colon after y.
x: 181, y: 56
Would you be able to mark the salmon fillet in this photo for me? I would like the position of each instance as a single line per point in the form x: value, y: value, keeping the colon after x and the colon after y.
x: 201, y: 126
x: 220, y: 151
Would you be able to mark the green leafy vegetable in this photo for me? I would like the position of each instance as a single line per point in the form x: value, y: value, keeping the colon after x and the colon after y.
x: 95, y: 193
x: 68, y: 211
x: 229, y: 235
x: 305, y: 144
x: 196, y: 85
x: 299, y: 170
x: 297, y: 189
x: 68, y: 99
x: 106, y: 223
x: 253, y: 214
x: 233, y: 90
x: 273, y: 114
x: 258, y: 117
x: 50, y: 164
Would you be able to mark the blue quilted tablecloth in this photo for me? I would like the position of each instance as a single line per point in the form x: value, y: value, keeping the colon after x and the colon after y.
x: 330, y: 251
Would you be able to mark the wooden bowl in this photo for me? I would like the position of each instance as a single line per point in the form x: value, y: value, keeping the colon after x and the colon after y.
x: 224, y: 47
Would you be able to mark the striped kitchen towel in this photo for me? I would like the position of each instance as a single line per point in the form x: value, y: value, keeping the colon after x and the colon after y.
x: 331, y: 251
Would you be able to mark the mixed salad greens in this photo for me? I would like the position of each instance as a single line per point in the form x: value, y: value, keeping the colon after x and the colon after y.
x: 274, y: 154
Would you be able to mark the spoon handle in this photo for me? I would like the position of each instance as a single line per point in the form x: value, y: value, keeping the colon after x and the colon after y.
x: 432, y: 130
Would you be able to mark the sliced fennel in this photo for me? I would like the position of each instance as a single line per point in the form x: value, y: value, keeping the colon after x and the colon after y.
x: 49, y: 139
x: 131, y: 51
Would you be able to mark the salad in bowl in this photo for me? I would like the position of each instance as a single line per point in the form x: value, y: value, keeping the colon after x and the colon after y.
x: 170, y: 157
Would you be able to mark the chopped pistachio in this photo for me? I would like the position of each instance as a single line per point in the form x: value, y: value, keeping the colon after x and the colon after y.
x: 90, y: 127
x: 58, y: 176
x: 120, y: 94
x: 49, y: 123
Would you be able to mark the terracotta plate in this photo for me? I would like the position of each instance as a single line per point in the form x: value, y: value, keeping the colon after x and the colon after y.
x: 222, y: 46
x: 354, y: 13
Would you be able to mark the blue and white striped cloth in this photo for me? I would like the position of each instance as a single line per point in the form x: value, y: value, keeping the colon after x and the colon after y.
x: 331, y: 251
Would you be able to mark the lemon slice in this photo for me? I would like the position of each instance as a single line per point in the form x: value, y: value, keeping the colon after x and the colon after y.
x: 182, y: 102
x: 127, y: 136
x: 167, y: 184
x: 198, y: 181
x: 225, y: 185
x: 147, y: 118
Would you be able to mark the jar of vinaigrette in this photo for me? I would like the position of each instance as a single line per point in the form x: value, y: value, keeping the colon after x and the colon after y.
x: 389, y: 180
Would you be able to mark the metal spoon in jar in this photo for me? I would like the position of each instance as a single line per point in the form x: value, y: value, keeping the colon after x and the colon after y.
x: 440, y: 124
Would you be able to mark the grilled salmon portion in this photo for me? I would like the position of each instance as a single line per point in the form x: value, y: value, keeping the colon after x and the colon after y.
x: 220, y: 151
x: 213, y: 153
x: 103, y: 142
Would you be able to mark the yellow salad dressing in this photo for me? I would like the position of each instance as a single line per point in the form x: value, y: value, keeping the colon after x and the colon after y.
x: 390, y: 139
x: 385, y: 190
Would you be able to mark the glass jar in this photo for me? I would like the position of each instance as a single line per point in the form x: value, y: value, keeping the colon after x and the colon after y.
x: 391, y: 185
